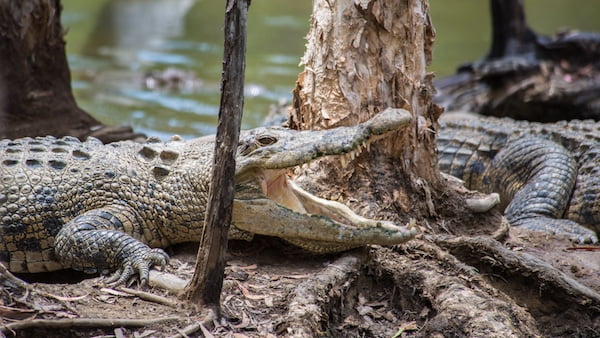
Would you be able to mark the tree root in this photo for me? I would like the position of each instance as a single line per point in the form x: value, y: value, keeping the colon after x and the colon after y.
x: 454, y: 299
x: 548, y: 293
x: 424, y: 284
x: 305, y: 316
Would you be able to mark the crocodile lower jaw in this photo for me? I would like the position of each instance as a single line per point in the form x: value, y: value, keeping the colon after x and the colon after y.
x: 280, y: 188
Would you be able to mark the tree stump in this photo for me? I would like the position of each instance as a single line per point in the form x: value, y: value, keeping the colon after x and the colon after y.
x: 35, y: 80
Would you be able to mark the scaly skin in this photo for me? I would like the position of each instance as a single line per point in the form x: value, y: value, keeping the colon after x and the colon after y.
x: 95, y: 207
x: 548, y: 174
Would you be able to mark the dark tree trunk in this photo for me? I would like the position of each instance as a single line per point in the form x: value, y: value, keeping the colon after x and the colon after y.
x: 528, y: 76
x: 35, y: 81
x: 205, y: 287
x: 510, y: 33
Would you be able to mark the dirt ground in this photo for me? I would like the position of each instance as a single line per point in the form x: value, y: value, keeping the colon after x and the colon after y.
x: 414, y: 290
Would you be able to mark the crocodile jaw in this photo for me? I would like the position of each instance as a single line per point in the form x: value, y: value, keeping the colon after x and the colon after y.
x: 281, y: 189
x: 316, y: 224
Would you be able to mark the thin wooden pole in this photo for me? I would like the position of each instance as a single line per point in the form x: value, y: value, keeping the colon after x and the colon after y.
x: 205, y: 287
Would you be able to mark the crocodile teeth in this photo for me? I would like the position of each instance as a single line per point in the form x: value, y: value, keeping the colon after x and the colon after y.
x: 344, y: 161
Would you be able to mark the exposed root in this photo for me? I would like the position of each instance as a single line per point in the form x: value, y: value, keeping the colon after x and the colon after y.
x: 305, y: 316
x: 461, y: 302
x: 551, y: 284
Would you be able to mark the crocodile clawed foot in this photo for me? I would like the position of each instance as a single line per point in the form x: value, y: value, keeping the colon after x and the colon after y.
x: 139, y: 263
x: 589, y: 238
x: 574, y: 231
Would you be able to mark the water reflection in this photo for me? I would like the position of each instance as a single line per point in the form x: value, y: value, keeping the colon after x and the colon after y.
x: 156, y: 64
x: 113, y: 46
x: 131, y: 31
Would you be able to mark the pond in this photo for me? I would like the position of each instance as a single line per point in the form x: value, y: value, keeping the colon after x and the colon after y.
x: 120, y: 50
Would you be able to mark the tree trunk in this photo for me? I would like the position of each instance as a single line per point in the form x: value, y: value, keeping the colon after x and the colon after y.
x: 527, y: 76
x: 205, y: 287
x: 362, y: 57
x: 35, y: 81
x: 510, y: 33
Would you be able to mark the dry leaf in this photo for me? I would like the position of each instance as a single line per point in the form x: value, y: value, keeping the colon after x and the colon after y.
x: 249, y: 295
x: 15, y: 313
x: 269, y: 301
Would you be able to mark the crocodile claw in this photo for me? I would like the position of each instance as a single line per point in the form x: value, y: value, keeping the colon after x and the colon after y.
x: 572, y: 230
x: 139, y: 263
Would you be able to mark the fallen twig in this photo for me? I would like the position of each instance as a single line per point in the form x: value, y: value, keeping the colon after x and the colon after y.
x: 147, y: 296
x: 82, y: 322
x: 584, y: 248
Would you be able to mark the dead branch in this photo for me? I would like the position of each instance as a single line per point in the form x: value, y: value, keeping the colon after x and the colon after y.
x: 82, y: 322
x: 150, y: 297
x: 205, y: 287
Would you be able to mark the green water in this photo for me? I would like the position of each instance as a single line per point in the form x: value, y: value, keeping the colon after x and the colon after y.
x: 112, y: 43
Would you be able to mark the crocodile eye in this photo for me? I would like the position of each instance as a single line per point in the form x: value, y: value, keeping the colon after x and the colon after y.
x: 265, y: 140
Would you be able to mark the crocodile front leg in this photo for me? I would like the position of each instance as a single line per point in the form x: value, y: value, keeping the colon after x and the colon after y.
x: 95, y: 241
x: 538, y: 176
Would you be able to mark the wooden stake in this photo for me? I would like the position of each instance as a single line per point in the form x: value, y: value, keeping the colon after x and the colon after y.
x: 205, y: 287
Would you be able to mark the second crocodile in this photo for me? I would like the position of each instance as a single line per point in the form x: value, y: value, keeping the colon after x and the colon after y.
x: 547, y: 175
x: 94, y: 207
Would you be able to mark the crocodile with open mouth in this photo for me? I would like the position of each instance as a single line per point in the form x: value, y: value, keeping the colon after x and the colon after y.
x: 95, y: 207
